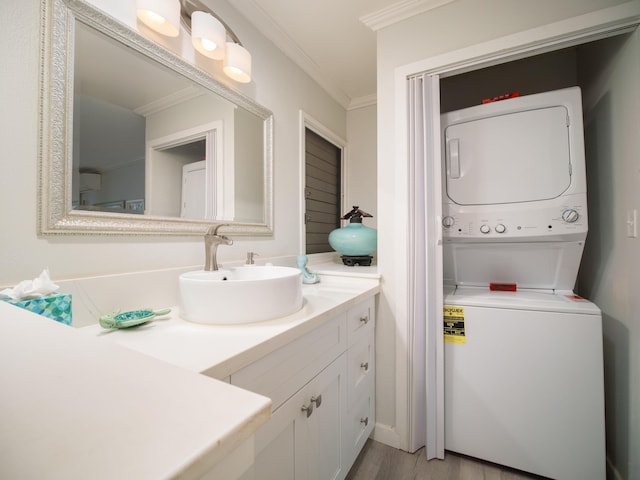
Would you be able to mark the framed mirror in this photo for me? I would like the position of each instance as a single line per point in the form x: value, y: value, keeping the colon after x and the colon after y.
x: 135, y: 140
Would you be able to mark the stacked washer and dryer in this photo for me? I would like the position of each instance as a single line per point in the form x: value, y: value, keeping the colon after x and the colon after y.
x: 523, y: 353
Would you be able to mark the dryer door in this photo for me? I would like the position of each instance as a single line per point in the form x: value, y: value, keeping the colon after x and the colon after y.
x: 509, y: 158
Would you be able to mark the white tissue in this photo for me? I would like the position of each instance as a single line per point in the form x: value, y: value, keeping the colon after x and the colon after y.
x: 36, y: 288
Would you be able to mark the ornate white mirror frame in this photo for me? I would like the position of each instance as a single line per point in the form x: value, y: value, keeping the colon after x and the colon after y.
x: 56, y: 216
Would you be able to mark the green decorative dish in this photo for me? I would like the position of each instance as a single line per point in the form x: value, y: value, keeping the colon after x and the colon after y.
x: 131, y: 319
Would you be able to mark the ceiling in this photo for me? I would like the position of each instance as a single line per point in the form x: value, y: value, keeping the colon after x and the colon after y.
x: 334, y: 41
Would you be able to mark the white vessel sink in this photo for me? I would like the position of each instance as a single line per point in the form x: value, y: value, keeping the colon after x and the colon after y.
x: 244, y: 294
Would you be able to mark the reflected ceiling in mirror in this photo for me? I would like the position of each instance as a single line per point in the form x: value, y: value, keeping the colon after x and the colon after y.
x: 137, y: 141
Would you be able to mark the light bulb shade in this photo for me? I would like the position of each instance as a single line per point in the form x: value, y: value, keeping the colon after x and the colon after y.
x: 208, y: 35
x: 163, y: 16
x: 237, y: 63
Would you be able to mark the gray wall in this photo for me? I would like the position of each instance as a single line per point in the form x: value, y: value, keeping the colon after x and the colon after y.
x: 609, y: 73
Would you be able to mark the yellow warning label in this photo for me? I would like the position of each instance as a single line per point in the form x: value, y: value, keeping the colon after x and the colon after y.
x: 454, y: 331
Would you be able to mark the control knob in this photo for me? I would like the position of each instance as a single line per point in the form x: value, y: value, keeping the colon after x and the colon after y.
x: 500, y: 228
x: 570, y: 215
x: 485, y: 229
x: 448, y: 221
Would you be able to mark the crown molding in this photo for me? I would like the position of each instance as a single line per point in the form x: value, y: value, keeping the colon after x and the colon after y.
x: 400, y: 11
x: 169, y: 101
x: 364, y: 101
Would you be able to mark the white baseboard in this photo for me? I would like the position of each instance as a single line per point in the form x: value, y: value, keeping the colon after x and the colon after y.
x: 386, y: 434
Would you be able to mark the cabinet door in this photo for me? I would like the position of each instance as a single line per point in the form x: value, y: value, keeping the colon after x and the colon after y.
x: 304, y: 439
x: 320, y: 435
x: 275, y: 443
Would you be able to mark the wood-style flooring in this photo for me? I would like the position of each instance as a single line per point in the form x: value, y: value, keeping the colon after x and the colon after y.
x: 381, y: 462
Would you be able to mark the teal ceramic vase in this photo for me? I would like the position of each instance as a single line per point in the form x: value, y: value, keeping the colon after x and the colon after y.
x: 355, y: 239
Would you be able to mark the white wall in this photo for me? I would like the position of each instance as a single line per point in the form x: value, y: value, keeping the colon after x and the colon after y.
x: 278, y: 84
x: 457, y: 25
x: 249, y: 187
x: 610, y: 271
x: 361, y: 168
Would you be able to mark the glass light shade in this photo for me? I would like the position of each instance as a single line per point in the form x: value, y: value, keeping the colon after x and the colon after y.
x: 237, y: 63
x: 163, y: 16
x: 208, y: 35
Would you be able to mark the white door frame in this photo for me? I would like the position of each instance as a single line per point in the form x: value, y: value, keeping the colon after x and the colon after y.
x: 219, y: 177
x: 562, y: 34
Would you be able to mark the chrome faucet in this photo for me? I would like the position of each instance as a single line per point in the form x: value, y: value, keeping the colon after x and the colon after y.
x: 211, y: 242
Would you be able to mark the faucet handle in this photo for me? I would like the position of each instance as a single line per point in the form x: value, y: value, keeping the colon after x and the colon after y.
x: 250, y: 260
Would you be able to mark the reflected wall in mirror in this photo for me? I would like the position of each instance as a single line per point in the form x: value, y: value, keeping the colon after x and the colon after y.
x: 136, y: 140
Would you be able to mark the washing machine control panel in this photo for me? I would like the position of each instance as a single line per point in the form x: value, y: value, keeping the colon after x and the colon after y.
x: 510, y: 223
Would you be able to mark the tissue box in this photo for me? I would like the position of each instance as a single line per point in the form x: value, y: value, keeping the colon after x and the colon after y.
x: 56, y: 307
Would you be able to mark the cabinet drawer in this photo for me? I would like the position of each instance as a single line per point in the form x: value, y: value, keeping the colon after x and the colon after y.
x: 361, y: 320
x: 361, y: 368
x: 283, y: 372
x: 361, y: 420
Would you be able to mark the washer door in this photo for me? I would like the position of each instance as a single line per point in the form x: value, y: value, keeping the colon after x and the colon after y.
x: 509, y: 158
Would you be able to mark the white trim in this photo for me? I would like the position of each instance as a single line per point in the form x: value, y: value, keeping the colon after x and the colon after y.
x: 365, y: 101
x: 385, y: 434
x: 401, y: 267
x: 400, y: 11
x: 307, y: 121
x: 219, y: 189
x: 531, y: 42
x: 170, y: 100
x: 573, y: 31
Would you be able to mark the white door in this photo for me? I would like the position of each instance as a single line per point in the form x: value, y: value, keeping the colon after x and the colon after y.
x: 194, y: 190
x: 425, y: 277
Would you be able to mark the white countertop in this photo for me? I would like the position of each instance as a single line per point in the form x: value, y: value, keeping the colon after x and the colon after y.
x: 74, y: 406
x: 220, y: 350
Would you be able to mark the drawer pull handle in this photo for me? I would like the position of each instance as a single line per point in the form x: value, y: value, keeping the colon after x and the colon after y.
x: 308, y: 409
x: 365, y: 420
x: 317, y: 400
x: 365, y: 366
x: 364, y: 319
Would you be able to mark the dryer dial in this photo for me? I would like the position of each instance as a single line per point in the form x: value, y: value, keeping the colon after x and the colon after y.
x: 500, y: 228
x: 448, y: 221
x: 485, y: 229
x: 570, y: 215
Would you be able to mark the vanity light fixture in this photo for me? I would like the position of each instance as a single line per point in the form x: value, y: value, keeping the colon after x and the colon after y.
x: 163, y: 16
x: 210, y: 36
x: 237, y: 63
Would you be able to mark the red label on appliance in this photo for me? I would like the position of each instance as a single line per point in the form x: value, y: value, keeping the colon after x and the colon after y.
x: 503, y: 287
x: 575, y: 298
x: 501, y: 97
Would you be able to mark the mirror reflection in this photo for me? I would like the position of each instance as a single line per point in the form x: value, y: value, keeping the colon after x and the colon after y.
x: 149, y: 141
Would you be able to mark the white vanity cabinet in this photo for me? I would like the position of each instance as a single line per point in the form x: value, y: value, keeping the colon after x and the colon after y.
x: 322, y: 388
x: 360, y: 377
